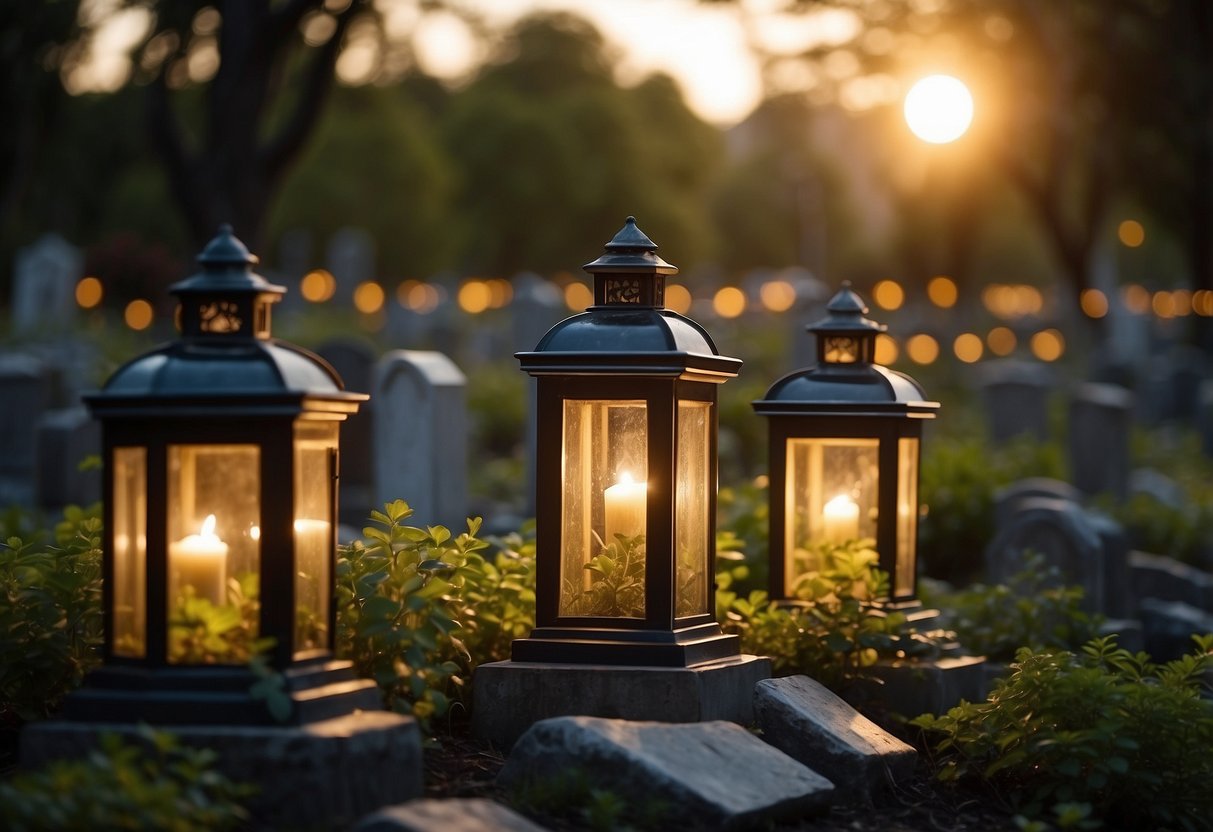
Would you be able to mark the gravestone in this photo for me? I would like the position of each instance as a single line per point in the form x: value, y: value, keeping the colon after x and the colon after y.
x: 295, y: 252
x: 1168, y: 627
x: 1187, y: 370
x: 1008, y: 499
x: 1167, y: 579
x: 355, y: 363
x: 1158, y: 486
x: 710, y: 775
x: 1101, y: 416
x: 350, y: 257
x: 44, y: 285
x: 1016, y: 398
x: 1061, y: 532
x: 421, y: 436
x: 1204, y: 418
x: 26, y: 390
x: 538, y: 305
x: 65, y: 437
x: 1117, y: 577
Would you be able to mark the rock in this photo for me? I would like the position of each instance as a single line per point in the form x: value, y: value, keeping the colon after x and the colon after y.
x: 455, y: 815
x: 805, y: 720
x: 715, y: 774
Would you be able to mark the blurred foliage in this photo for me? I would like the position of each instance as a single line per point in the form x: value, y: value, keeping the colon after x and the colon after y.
x: 156, y: 783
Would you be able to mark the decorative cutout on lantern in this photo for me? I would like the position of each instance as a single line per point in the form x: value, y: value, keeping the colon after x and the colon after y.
x: 219, y: 317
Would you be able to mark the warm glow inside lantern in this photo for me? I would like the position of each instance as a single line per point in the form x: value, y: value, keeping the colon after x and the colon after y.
x: 220, y: 506
x: 844, y: 455
x: 626, y: 474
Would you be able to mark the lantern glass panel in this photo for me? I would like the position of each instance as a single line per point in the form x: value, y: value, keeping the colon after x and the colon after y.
x: 691, y: 507
x: 315, y: 446
x: 604, y: 508
x: 907, y: 515
x: 832, y: 497
x: 129, y: 544
x: 214, y: 534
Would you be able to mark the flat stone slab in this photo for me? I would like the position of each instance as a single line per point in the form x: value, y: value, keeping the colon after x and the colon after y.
x: 807, y: 721
x: 933, y: 686
x: 509, y: 697
x: 715, y: 774
x: 323, y: 775
x: 471, y: 814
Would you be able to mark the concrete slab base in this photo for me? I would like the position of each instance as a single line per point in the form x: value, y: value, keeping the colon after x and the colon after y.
x: 319, y: 776
x: 509, y: 697
x: 915, y: 687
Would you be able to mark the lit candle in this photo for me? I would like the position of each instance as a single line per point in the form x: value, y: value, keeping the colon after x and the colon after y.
x: 625, y: 508
x: 840, y: 518
x: 200, y: 560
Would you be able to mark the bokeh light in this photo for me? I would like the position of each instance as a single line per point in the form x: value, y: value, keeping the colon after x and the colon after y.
x: 578, y: 296
x: 89, y: 292
x: 1202, y: 302
x: 729, y: 302
x: 1136, y: 298
x: 888, y: 294
x: 317, y: 286
x: 369, y: 297
x: 678, y: 298
x: 421, y: 298
x: 968, y: 347
x: 1094, y: 303
x: 886, y: 349
x: 922, y: 349
x: 1131, y: 233
x: 1163, y: 305
x: 941, y: 290
x: 1182, y: 299
x: 474, y: 296
x: 1048, y: 345
x: 500, y: 292
x: 938, y: 109
x: 138, y: 315
x: 777, y: 295
x: 1001, y: 340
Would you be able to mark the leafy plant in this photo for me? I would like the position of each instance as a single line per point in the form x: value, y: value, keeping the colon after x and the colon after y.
x: 397, y: 601
x: 499, y: 596
x: 1032, y: 609
x: 834, y: 629
x: 200, y: 632
x: 616, y: 582
x: 1101, y: 728
x: 570, y: 797
x: 50, y: 615
x: 158, y: 784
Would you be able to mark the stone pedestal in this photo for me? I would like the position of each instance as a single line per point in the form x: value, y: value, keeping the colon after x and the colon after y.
x: 319, y: 776
x: 508, y: 697
x: 911, y: 688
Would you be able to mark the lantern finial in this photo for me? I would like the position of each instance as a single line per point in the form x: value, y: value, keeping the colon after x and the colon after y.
x: 630, y: 271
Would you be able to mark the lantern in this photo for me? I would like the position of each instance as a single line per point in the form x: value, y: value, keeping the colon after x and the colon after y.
x: 220, y: 452
x: 626, y: 474
x: 844, y: 454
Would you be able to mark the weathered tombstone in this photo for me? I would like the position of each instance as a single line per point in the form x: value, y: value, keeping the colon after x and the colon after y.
x: 1204, y: 418
x: 65, y: 438
x: 1101, y: 416
x: 1062, y: 534
x: 811, y: 724
x: 1118, y: 588
x: 355, y: 363
x: 1009, y: 499
x: 711, y: 775
x: 1167, y: 579
x: 1155, y: 484
x: 44, y: 284
x: 421, y: 435
x: 1169, y: 626
x: 25, y: 393
x: 351, y: 260
x: 537, y: 305
x: 1016, y: 398
x: 1188, y: 369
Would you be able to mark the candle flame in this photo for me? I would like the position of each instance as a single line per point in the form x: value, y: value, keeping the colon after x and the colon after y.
x: 208, y: 526
x: 839, y: 504
x: 625, y: 478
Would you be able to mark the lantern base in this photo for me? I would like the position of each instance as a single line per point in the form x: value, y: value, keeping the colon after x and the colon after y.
x: 218, y: 695
x: 509, y: 697
x: 687, y: 647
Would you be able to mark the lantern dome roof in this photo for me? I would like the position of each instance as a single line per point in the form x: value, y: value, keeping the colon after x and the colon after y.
x: 846, y: 389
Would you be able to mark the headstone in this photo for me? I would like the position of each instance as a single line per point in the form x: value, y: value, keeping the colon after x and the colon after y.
x: 421, y: 436
x: 1189, y: 367
x: 805, y: 720
x: 1168, y: 627
x: 44, y: 284
x: 351, y: 259
x: 25, y: 394
x: 65, y: 438
x: 1061, y: 532
x: 1204, y: 418
x: 1118, y: 587
x: 1016, y: 398
x: 1007, y: 500
x: 1155, y: 484
x: 355, y: 363
x: 462, y: 814
x: 715, y: 775
x: 1101, y: 416
x: 538, y: 304
x: 1166, y: 579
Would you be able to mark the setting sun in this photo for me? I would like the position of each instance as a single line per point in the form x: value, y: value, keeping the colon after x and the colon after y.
x: 939, y: 109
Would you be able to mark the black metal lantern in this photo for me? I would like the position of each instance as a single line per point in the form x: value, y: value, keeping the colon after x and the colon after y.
x: 844, y: 454
x: 626, y: 474
x: 220, y: 452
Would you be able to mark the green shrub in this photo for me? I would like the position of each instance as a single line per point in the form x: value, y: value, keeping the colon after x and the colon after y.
x: 50, y: 615
x: 1033, y: 609
x: 499, y: 597
x: 156, y: 785
x: 1103, y: 729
